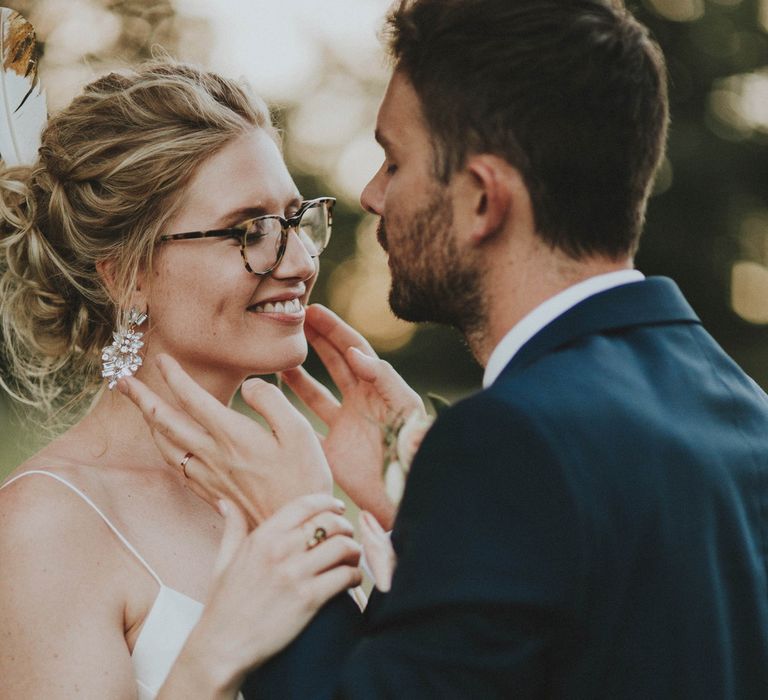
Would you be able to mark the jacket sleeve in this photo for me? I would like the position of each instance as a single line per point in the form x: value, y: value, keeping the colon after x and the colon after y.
x: 310, y: 667
x: 490, y: 560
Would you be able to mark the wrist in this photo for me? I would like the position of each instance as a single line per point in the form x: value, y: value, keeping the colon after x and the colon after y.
x: 208, y: 672
x: 382, y: 508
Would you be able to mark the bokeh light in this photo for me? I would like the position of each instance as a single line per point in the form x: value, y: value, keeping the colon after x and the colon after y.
x: 321, y: 65
x: 359, y: 292
x: 749, y: 290
x: 678, y: 10
x: 324, y: 67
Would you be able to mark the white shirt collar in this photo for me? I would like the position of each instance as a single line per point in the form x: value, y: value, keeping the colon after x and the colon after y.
x: 547, y: 312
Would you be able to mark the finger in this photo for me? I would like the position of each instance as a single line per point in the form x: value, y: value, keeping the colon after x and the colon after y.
x: 295, y: 513
x: 211, y: 484
x: 194, y: 470
x: 208, y: 495
x: 328, y: 584
x: 335, y: 363
x: 326, y: 323
x: 235, y: 532
x: 206, y: 483
x: 173, y: 453
x: 364, y: 366
x: 378, y: 552
x: 317, y: 397
x: 387, y: 382
x: 321, y: 527
x: 335, y: 551
x: 162, y: 418
x: 268, y: 401
x: 197, y: 475
x: 207, y: 410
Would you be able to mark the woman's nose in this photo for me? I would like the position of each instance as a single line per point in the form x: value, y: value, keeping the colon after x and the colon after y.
x: 296, y: 262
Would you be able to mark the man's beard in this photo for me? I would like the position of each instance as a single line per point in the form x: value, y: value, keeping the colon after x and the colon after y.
x: 431, y: 281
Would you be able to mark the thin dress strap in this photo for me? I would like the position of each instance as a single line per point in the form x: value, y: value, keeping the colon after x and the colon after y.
x: 119, y: 535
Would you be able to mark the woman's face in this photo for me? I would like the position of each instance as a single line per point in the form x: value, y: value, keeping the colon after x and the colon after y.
x: 204, y: 307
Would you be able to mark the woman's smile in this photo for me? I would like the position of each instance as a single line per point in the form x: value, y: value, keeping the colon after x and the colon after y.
x: 282, y: 309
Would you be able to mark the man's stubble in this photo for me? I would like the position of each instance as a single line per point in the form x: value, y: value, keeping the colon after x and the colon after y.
x: 432, y: 281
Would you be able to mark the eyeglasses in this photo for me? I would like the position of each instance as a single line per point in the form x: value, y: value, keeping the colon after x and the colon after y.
x: 263, y: 239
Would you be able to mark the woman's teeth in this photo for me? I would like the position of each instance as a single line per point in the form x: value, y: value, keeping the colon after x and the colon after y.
x: 291, y: 306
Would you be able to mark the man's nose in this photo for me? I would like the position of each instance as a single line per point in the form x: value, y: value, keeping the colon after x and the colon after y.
x: 372, y: 196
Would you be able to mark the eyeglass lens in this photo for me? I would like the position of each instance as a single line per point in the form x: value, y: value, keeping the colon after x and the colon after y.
x: 263, y: 236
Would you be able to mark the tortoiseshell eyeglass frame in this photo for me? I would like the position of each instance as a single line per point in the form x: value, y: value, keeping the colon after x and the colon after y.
x: 286, y: 225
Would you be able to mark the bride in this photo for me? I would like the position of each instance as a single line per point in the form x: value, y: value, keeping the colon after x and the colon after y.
x: 159, y: 205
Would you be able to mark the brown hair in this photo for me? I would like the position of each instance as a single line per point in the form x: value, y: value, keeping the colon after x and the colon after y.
x: 109, y: 177
x: 570, y: 92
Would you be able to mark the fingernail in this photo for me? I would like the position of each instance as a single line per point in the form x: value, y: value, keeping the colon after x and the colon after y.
x: 164, y: 362
x: 340, y: 504
x: 223, y: 507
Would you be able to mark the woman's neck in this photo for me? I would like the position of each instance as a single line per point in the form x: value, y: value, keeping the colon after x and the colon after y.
x: 114, y: 432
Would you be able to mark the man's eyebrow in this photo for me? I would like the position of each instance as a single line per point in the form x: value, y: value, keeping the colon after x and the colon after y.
x: 238, y: 215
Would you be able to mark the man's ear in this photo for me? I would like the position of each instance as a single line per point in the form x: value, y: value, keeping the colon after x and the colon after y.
x: 107, y: 271
x: 495, y: 198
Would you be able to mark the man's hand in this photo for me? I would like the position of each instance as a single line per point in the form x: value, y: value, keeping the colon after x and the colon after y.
x: 233, y: 457
x: 379, y: 553
x: 374, y: 397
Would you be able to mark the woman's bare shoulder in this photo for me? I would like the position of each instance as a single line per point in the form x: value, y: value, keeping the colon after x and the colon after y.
x: 42, y: 517
x: 62, y: 594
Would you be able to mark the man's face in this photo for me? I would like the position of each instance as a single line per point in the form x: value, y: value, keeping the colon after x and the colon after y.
x: 432, y: 278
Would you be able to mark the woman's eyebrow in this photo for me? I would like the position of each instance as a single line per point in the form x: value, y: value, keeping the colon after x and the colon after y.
x: 238, y: 215
x: 243, y: 213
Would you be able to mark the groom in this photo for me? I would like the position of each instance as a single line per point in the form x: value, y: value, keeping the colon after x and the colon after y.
x: 594, y: 523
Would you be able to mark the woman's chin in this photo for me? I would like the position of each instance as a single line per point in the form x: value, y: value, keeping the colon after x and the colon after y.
x: 286, y: 358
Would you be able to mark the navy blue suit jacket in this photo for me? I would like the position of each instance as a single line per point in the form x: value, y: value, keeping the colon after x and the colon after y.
x: 593, y: 525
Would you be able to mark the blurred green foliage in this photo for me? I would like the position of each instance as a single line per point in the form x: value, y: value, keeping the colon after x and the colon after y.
x: 715, y: 179
x: 719, y: 174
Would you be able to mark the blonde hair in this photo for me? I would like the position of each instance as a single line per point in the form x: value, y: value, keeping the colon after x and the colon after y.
x: 110, y: 174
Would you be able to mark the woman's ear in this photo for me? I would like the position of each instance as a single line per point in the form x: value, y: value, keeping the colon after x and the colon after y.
x: 107, y: 271
x: 495, y: 196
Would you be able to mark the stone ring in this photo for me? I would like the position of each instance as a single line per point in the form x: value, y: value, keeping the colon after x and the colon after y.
x: 318, y: 536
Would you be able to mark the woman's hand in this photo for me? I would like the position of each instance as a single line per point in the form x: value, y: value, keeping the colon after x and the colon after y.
x: 374, y: 396
x: 267, y: 586
x: 232, y: 456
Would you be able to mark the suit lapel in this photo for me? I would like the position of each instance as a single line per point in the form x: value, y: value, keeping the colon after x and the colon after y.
x: 656, y: 300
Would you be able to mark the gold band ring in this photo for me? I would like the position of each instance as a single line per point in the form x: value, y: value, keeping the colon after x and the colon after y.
x: 318, y: 536
x: 183, y: 463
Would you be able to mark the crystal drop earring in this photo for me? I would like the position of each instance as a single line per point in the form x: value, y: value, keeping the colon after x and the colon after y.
x: 121, y: 358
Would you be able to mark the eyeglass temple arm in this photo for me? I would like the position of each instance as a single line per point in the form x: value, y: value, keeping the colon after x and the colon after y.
x: 214, y: 233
